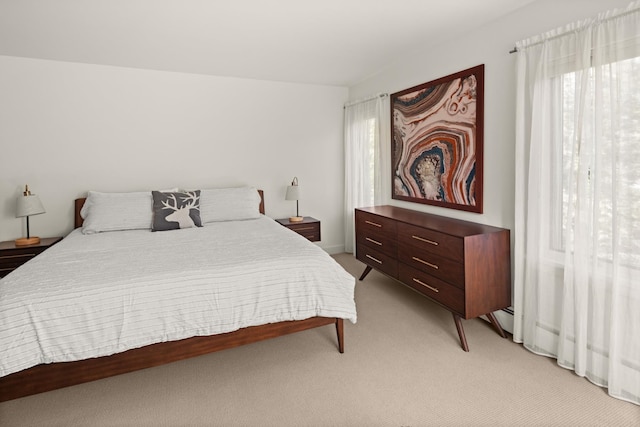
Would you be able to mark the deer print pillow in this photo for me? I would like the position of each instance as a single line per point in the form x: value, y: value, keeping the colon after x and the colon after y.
x: 174, y: 210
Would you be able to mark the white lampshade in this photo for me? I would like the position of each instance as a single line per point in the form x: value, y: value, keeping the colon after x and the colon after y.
x: 29, y: 205
x: 293, y: 192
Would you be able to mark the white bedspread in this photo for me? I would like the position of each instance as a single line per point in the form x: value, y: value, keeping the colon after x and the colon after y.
x: 95, y: 295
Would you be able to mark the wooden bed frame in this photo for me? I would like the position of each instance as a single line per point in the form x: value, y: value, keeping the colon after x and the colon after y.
x: 52, y: 376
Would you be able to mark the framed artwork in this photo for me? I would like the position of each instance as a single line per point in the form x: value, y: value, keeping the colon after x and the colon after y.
x: 436, y: 141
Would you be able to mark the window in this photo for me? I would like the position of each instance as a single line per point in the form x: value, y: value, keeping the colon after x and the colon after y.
x: 599, y: 165
x: 578, y: 194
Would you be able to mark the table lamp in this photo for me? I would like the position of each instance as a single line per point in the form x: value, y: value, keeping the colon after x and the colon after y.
x: 293, y: 193
x: 28, y: 204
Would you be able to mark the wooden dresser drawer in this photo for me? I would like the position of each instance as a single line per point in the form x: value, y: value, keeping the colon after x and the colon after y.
x: 432, y: 241
x: 440, y: 291
x: 310, y: 231
x: 371, y: 224
x: 378, y: 242
x: 10, y: 260
x: 378, y: 260
x: 13, y: 261
x: 12, y: 256
x: 7, y: 266
x: 435, y: 265
x: 309, y: 227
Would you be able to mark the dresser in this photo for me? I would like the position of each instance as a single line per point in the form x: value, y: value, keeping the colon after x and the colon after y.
x: 12, y: 256
x: 463, y: 266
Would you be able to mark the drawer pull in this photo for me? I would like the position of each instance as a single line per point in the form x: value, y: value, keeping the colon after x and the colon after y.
x: 375, y: 259
x: 425, y: 262
x: 17, y: 256
x: 302, y: 228
x: 374, y: 241
x: 374, y: 224
x: 424, y: 284
x: 431, y: 242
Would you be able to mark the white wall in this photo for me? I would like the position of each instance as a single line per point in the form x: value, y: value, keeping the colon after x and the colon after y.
x: 489, y: 45
x: 66, y: 128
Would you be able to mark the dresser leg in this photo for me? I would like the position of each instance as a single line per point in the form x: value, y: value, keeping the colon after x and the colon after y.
x: 496, y: 324
x: 340, y: 331
x: 365, y: 272
x: 463, y: 338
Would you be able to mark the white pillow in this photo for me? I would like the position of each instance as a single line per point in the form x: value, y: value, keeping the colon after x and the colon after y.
x: 116, y: 211
x: 229, y: 204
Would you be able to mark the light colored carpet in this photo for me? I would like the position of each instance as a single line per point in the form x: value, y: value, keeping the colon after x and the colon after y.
x: 402, y: 366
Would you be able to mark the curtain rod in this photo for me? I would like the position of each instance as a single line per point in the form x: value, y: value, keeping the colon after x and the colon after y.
x: 557, y: 36
x: 592, y: 21
x: 360, y: 101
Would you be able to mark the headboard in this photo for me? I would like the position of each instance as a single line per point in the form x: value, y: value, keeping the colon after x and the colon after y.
x: 77, y: 223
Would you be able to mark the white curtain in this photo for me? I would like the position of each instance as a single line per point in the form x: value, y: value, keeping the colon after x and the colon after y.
x: 577, y: 231
x: 364, y: 122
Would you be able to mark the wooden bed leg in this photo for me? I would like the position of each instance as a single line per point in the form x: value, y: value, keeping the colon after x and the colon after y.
x: 463, y: 338
x: 496, y: 324
x: 340, y: 331
x: 365, y: 272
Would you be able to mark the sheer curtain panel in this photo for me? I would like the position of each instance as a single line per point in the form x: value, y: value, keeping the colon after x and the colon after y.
x: 577, y: 231
x: 363, y: 124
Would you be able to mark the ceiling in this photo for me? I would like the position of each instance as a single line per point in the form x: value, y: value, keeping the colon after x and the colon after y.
x: 327, y: 42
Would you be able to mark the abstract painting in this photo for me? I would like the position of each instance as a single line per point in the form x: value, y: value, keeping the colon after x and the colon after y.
x: 436, y: 141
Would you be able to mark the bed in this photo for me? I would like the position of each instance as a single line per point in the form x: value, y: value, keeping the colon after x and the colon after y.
x: 104, y: 303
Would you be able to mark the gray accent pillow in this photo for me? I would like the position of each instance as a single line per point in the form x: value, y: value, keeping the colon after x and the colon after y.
x: 175, y: 210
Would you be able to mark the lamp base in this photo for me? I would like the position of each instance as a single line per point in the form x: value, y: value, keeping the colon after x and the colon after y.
x: 26, y: 241
x: 296, y: 218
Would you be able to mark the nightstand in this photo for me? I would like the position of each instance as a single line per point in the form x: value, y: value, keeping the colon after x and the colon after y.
x: 308, y: 227
x: 12, y: 256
